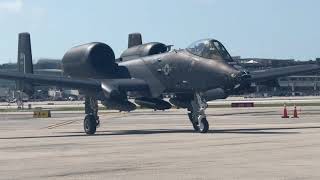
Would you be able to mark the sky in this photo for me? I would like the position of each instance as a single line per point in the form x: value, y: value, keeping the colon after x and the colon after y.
x: 248, y: 28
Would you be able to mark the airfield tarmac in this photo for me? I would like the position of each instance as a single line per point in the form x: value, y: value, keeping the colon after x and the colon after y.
x: 243, y: 143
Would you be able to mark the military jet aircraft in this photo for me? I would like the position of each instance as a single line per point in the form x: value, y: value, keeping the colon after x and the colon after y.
x: 202, y: 72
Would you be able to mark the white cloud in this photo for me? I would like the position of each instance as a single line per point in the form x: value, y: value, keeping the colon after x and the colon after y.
x: 12, y: 6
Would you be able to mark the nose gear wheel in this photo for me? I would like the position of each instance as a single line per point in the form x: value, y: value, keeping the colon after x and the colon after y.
x: 197, y: 114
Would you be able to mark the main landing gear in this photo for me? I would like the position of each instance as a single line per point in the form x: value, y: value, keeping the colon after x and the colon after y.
x: 91, y: 121
x: 197, y: 114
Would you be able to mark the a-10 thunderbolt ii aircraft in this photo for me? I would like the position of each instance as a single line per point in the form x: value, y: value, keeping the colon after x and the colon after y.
x: 202, y: 72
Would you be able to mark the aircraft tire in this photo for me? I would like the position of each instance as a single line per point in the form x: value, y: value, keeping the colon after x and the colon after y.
x: 90, y: 125
x: 204, y: 126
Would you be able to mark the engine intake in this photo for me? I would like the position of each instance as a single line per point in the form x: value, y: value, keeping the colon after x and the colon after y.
x: 89, y: 60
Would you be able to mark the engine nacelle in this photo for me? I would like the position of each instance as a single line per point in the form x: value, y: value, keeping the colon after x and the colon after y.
x: 89, y: 60
x: 143, y: 50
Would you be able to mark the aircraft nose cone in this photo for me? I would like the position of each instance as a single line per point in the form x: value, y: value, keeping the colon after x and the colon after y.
x: 242, y: 81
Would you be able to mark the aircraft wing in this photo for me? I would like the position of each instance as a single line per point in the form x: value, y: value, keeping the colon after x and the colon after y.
x: 273, y: 73
x: 106, y: 85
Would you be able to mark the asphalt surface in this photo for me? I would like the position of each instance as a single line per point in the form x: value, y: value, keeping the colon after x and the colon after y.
x: 254, y: 143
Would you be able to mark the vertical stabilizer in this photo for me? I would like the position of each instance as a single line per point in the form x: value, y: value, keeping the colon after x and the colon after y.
x: 134, y: 39
x: 25, y: 62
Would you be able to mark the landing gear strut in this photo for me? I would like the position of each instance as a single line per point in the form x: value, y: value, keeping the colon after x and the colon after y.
x: 197, y: 114
x: 91, y: 121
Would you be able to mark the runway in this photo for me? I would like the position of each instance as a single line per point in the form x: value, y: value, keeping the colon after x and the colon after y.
x: 252, y: 143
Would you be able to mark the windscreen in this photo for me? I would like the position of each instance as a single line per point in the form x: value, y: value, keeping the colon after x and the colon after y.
x: 210, y: 49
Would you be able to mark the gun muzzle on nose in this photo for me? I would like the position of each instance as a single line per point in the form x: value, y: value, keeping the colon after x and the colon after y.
x: 242, y: 81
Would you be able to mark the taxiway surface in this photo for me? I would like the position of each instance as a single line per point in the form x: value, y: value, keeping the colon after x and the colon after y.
x: 252, y: 143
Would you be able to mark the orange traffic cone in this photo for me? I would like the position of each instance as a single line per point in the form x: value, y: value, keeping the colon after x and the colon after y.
x: 285, y: 112
x: 295, y: 112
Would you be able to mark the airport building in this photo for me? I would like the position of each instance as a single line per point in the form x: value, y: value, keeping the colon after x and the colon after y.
x: 298, y: 85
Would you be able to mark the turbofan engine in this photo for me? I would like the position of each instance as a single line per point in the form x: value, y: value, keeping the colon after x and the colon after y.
x: 89, y: 60
x: 143, y: 50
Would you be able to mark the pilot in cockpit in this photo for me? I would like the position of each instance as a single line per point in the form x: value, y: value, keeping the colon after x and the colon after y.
x: 209, y: 49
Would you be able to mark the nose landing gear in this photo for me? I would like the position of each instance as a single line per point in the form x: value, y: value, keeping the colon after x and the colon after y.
x: 197, y: 114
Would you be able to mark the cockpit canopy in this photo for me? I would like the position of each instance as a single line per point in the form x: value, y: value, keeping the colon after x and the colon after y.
x: 210, y: 49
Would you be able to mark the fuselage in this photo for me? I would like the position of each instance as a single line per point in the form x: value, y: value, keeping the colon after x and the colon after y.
x: 181, y: 72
